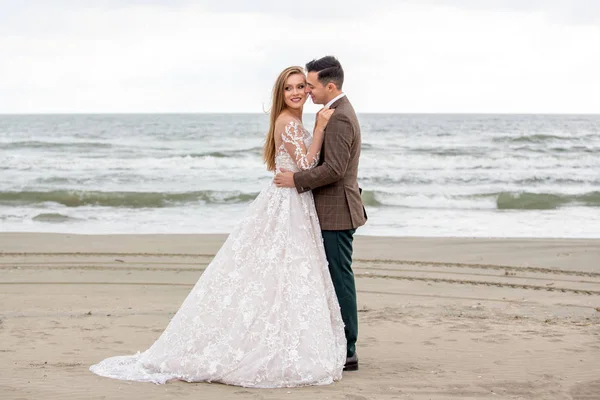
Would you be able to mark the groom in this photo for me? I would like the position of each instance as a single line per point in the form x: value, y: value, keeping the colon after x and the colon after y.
x: 335, y: 188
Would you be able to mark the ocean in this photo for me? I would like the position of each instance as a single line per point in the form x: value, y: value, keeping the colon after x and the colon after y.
x: 422, y: 175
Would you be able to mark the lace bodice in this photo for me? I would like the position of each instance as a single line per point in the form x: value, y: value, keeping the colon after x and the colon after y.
x: 296, y: 140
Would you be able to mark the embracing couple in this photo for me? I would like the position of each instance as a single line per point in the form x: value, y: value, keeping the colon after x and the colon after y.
x: 276, y: 307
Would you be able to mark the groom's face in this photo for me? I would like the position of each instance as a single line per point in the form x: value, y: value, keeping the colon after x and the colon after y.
x: 315, y: 89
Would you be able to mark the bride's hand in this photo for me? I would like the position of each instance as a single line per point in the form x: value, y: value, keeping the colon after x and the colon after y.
x: 323, y: 117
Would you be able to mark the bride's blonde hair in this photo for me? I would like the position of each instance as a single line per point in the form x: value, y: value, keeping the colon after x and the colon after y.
x: 277, y: 106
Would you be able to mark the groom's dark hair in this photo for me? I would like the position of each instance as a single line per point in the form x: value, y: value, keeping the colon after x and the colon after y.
x: 329, y: 70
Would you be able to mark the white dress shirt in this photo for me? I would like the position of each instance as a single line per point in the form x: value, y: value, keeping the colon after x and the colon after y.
x: 336, y: 98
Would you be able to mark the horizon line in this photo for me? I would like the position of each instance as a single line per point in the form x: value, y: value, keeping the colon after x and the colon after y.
x: 266, y: 113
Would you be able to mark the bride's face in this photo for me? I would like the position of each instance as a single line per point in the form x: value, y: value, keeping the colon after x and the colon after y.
x: 294, y: 91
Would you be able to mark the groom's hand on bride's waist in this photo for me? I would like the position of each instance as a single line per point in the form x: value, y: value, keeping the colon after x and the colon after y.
x: 285, y: 179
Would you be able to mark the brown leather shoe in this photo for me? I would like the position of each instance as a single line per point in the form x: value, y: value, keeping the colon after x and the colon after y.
x: 351, y: 363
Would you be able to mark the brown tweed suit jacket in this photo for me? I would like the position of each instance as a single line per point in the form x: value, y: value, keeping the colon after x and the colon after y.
x: 334, y: 181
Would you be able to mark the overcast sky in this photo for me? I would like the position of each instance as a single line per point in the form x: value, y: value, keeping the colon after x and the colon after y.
x: 223, y: 56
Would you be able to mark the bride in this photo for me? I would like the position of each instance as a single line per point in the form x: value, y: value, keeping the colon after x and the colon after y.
x: 264, y: 313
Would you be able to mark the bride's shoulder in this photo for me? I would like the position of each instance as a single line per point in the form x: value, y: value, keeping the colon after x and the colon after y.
x: 285, y: 120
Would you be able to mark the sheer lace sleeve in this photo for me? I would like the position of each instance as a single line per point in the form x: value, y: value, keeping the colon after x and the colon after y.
x: 293, y: 141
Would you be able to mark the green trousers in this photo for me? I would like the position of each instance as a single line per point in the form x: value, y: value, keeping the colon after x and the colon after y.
x: 338, y: 247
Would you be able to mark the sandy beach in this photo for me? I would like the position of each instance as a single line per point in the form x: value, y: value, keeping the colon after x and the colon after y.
x: 440, y: 318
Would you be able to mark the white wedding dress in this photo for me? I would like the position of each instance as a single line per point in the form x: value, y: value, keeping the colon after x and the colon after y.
x: 264, y: 312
